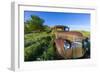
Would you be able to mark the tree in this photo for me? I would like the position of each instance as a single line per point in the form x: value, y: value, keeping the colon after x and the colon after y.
x: 34, y: 24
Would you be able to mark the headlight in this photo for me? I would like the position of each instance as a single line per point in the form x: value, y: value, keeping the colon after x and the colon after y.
x: 67, y: 44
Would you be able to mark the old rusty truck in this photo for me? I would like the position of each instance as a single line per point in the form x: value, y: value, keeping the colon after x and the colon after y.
x: 69, y: 44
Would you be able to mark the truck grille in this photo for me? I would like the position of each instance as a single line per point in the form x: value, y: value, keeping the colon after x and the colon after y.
x: 76, y: 45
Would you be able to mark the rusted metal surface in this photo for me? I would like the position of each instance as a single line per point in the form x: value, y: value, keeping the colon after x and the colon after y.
x: 75, y: 38
x: 60, y: 48
x: 59, y: 45
x: 72, y: 36
x: 70, y: 52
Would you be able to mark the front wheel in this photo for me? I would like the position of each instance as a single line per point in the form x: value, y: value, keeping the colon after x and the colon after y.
x: 86, y: 46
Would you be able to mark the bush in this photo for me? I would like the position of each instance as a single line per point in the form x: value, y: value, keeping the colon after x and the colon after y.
x: 35, y: 49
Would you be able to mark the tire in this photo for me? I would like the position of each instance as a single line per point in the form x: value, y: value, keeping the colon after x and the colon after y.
x: 86, y: 46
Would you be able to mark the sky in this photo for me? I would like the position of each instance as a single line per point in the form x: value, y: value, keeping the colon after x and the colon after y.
x: 76, y: 21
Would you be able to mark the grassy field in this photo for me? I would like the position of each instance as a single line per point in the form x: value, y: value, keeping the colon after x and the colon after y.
x: 85, y: 33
